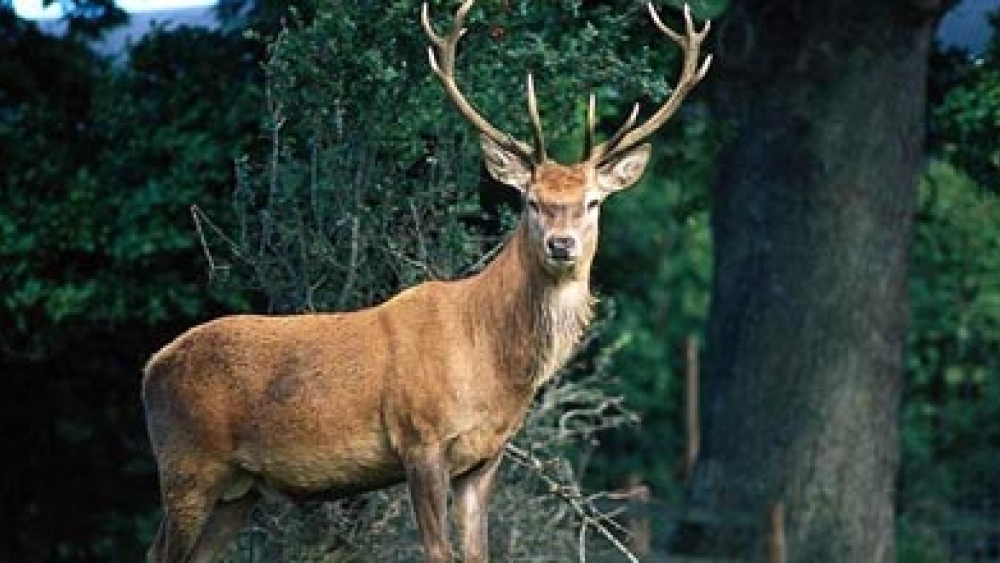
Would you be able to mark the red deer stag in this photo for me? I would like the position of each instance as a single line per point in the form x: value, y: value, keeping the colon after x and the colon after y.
x: 426, y: 388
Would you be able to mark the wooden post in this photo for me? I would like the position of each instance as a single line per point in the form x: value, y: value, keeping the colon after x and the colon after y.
x: 776, y: 539
x: 640, y: 535
x: 691, y: 403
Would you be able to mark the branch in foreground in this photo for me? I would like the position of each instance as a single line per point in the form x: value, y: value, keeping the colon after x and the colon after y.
x: 589, y: 515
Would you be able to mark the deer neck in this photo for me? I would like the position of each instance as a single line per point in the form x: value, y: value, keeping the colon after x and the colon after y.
x: 533, y: 319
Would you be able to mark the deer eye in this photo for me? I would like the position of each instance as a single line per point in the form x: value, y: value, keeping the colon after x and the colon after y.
x: 533, y: 205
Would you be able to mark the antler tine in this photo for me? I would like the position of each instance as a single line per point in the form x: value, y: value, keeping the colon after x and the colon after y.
x: 616, y: 139
x: 536, y: 122
x: 589, y: 153
x: 693, y: 71
x: 441, y: 54
x: 590, y: 134
x: 445, y: 47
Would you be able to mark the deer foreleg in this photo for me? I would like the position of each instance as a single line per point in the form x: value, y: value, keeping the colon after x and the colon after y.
x: 472, y: 492
x: 427, y: 478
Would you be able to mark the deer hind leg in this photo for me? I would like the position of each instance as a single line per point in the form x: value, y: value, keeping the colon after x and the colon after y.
x: 427, y: 479
x: 156, y: 550
x: 472, y: 493
x: 189, y: 497
x: 226, y: 521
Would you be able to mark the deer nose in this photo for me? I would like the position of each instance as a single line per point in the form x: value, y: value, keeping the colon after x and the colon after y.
x: 561, y: 247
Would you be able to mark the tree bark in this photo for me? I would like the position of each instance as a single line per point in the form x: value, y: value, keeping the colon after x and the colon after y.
x: 811, y: 224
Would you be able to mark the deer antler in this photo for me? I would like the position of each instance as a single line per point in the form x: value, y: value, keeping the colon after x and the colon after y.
x: 692, y: 72
x: 442, y: 60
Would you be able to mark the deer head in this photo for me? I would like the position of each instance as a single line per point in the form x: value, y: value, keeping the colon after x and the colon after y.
x: 562, y: 202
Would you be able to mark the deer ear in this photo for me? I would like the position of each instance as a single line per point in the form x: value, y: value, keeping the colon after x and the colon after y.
x: 505, y: 165
x: 623, y: 170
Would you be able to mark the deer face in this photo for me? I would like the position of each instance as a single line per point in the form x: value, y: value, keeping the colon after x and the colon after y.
x: 562, y: 203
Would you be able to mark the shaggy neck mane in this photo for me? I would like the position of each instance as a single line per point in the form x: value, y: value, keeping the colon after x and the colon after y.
x: 532, y: 318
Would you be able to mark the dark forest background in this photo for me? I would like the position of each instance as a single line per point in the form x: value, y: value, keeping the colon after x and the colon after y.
x: 241, y: 168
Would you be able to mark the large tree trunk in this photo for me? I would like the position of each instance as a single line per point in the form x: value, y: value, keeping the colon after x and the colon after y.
x: 811, y: 222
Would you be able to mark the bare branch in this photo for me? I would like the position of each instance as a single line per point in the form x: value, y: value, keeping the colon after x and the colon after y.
x: 588, y: 514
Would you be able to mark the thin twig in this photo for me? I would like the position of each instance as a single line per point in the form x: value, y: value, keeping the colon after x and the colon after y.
x: 202, y: 220
x: 195, y: 212
x: 488, y: 256
x: 352, y: 265
x: 424, y: 267
x: 598, y: 411
x: 418, y: 229
x: 589, y: 516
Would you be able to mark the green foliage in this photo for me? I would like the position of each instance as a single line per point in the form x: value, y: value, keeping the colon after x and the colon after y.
x: 952, y: 400
x: 102, y: 165
x: 950, y: 442
x: 969, y: 123
x: 43, y: 114
x: 350, y: 204
x: 965, y: 117
x: 921, y: 543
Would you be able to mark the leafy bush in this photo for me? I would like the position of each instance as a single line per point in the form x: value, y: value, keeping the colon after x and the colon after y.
x: 966, y: 123
x: 109, y: 200
x: 950, y: 444
x: 100, y: 264
x: 952, y: 400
